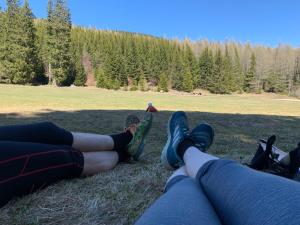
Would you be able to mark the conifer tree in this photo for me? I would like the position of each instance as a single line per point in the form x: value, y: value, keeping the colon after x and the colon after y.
x: 249, y: 83
x: 237, y: 71
x: 206, y: 69
x: 177, y: 78
x: 216, y: 77
x: 30, y: 64
x: 296, y: 75
x: 12, y: 40
x: 59, y: 41
x: 227, y: 84
x: 187, y: 82
x: 163, y: 83
x: 274, y: 83
x: 19, y: 58
x: 2, y: 44
x: 191, y: 64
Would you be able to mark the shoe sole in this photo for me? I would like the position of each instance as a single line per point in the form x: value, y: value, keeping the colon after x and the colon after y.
x: 163, y: 157
x: 140, y: 149
x: 141, y: 145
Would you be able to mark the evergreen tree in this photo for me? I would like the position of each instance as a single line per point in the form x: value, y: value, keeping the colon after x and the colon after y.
x: 19, y: 58
x: 216, y: 78
x: 12, y: 39
x: 187, y: 82
x: 296, y: 75
x: 2, y: 45
x: 227, y: 84
x: 80, y: 75
x: 191, y: 63
x: 142, y: 82
x: 163, y: 83
x: 249, y: 83
x: 59, y: 41
x: 237, y: 71
x: 274, y: 83
x: 30, y: 65
x: 177, y: 77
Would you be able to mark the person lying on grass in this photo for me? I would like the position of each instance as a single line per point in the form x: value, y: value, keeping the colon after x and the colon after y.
x: 206, y: 190
x: 35, y: 155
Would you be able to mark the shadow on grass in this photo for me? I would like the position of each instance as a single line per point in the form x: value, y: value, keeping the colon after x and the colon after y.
x: 120, y: 196
x: 236, y: 134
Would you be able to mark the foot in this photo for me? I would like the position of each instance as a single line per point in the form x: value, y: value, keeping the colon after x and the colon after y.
x: 177, y: 129
x: 136, y: 145
x: 202, y: 135
x: 131, y: 123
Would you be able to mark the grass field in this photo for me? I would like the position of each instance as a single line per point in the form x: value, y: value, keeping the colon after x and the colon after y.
x: 120, y: 196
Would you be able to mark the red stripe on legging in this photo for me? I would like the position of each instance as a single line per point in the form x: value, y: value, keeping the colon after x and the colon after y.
x: 25, y: 165
x: 38, y: 171
x: 34, y: 154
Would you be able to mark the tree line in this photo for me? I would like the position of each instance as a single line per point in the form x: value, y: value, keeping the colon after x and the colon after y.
x: 51, y: 51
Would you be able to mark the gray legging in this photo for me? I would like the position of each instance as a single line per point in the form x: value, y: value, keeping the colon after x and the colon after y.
x: 226, y: 192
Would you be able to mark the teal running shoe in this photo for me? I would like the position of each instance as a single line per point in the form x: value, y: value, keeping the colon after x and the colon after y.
x: 203, y: 136
x: 177, y: 129
x: 137, y: 144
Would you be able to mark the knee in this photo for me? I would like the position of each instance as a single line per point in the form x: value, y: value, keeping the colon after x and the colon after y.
x: 110, y: 163
x: 49, y: 125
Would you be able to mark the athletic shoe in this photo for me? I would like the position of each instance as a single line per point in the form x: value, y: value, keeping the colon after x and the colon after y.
x: 177, y: 129
x: 131, y: 120
x: 136, y: 145
x: 203, y: 136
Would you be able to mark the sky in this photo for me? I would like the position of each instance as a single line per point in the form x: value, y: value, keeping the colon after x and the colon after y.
x: 267, y: 22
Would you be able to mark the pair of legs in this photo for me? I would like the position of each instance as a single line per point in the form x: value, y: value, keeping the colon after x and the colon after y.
x: 36, y: 155
x: 208, y: 190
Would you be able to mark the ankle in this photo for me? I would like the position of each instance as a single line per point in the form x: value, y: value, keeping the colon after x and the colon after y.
x: 184, y: 145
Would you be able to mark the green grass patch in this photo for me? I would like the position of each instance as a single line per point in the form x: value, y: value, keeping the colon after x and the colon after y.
x: 121, y: 195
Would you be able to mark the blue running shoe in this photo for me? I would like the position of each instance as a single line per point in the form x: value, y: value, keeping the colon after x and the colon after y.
x: 203, y: 136
x: 178, y: 129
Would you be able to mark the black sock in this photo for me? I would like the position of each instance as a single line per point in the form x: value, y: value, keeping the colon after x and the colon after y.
x: 183, y: 146
x: 123, y: 155
x: 121, y: 140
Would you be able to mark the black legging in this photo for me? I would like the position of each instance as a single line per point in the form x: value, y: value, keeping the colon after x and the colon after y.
x: 34, y: 156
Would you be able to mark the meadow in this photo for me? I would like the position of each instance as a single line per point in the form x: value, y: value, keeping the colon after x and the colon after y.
x: 121, y: 195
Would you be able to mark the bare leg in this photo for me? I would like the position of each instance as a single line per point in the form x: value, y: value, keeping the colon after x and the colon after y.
x: 194, y: 159
x: 95, y: 162
x: 87, y: 142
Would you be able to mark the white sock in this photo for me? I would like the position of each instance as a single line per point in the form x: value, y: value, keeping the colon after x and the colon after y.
x: 194, y: 159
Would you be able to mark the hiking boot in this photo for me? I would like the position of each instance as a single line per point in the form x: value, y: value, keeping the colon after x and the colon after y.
x: 202, y: 135
x: 137, y: 144
x: 177, y: 129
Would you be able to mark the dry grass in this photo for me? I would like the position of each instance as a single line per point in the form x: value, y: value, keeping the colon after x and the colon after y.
x: 121, y: 195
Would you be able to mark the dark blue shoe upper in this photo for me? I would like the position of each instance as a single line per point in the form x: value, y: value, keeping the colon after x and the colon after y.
x: 203, y: 136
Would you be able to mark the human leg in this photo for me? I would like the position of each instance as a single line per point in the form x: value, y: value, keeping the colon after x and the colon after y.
x: 182, y: 203
x: 241, y: 195
x: 44, y: 132
x: 95, y: 162
x: 49, y: 133
x: 26, y: 167
x: 127, y: 143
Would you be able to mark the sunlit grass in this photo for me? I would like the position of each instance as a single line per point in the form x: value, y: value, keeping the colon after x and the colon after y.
x: 121, y: 195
